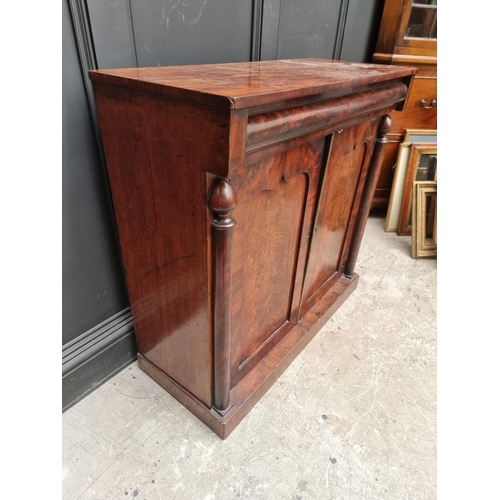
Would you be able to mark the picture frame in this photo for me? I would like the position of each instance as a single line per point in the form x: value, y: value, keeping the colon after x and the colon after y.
x: 422, y: 166
x: 420, y: 135
x: 397, y: 189
x: 424, y: 219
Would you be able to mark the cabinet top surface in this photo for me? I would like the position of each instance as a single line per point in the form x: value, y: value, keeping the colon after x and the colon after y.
x: 240, y: 85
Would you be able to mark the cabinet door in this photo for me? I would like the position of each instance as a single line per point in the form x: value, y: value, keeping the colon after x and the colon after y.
x: 274, y: 215
x: 346, y: 168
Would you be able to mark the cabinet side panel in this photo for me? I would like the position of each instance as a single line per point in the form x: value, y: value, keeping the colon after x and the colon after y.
x: 152, y: 153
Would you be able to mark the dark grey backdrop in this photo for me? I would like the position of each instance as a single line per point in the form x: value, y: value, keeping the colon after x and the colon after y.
x: 97, y: 329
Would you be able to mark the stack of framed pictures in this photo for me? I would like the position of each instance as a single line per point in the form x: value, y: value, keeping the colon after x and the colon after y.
x: 416, y: 163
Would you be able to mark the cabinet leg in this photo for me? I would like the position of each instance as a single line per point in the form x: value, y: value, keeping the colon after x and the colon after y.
x: 369, y: 191
x: 222, y: 202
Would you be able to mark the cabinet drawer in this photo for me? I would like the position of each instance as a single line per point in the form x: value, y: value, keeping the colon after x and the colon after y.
x: 416, y: 115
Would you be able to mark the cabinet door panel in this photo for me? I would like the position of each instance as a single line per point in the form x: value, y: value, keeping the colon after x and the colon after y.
x: 336, y: 209
x: 273, y: 218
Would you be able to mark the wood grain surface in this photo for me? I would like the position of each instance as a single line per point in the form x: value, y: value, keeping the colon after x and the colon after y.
x: 240, y: 85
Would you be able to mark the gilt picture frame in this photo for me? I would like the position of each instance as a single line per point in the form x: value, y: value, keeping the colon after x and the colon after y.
x: 422, y: 166
x: 397, y: 189
x: 420, y: 135
x: 424, y: 219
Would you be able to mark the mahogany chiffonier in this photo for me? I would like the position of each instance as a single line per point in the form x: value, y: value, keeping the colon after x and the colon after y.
x: 241, y: 192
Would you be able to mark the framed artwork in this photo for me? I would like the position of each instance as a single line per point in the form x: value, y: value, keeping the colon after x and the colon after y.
x: 422, y: 166
x: 419, y: 135
x: 396, y: 197
x: 424, y: 219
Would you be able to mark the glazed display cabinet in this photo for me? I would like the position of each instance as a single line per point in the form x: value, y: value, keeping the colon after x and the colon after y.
x: 408, y: 37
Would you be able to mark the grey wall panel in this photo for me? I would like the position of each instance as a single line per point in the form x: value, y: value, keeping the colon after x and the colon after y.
x: 361, y: 30
x: 270, y: 29
x: 112, y: 31
x: 308, y: 28
x: 169, y: 32
x: 95, y: 356
x: 93, y: 287
x: 256, y: 29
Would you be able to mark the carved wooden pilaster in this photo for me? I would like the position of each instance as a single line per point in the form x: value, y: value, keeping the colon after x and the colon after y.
x: 369, y: 191
x: 222, y: 203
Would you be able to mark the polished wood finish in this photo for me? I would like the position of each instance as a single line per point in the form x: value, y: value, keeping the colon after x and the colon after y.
x: 240, y: 192
x: 269, y: 128
x: 243, y: 85
x: 222, y: 203
x: 394, y: 48
x: 369, y: 191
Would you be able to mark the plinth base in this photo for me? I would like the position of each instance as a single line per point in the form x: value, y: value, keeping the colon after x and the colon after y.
x: 251, y: 388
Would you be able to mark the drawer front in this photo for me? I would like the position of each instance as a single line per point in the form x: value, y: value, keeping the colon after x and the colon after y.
x: 278, y: 126
x: 420, y: 111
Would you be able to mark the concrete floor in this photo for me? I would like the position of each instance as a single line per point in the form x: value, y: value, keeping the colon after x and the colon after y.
x: 353, y: 417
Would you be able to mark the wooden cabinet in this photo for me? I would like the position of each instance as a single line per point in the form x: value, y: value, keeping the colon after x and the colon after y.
x: 241, y: 192
x: 408, y: 36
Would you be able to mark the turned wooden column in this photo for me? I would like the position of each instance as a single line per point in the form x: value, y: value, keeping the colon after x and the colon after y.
x: 369, y: 191
x: 222, y: 203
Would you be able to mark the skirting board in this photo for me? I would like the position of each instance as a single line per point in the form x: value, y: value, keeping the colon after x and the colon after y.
x: 96, y: 356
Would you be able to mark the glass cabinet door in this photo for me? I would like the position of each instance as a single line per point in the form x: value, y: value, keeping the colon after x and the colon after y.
x: 422, y: 21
